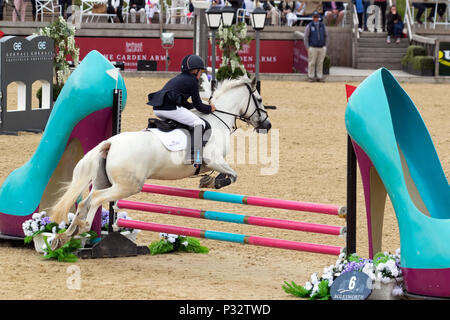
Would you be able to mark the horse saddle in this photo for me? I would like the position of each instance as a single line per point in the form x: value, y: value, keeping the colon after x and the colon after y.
x: 197, y: 137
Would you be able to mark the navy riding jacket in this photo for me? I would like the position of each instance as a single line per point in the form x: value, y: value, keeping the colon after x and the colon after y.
x: 176, y: 92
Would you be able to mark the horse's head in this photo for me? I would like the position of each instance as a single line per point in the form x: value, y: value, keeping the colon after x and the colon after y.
x: 253, y: 111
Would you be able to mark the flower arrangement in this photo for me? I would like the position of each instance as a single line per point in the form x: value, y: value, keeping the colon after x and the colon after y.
x: 63, y: 35
x: 120, y: 215
x: 384, y: 268
x: 173, y: 242
x: 231, y: 40
x: 41, y: 225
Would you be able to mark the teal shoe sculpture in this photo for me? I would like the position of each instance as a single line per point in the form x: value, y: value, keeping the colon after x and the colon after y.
x: 80, y: 119
x: 396, y: 156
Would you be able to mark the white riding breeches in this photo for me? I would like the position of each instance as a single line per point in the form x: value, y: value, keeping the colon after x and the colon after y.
x: 181, y: 115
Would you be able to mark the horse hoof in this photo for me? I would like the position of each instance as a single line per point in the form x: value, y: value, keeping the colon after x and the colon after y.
x: 206, y: 182
x: 58, y: 241
x: 222, y: 180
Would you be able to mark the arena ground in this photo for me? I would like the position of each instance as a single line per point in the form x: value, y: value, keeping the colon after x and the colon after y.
x: 312, y: 167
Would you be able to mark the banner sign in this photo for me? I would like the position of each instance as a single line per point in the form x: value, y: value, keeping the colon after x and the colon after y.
x: 444, y: 59
x: 300, y: 57
x: 276, y: 56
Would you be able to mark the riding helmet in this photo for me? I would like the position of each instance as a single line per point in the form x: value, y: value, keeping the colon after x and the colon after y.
x: 191, y: 62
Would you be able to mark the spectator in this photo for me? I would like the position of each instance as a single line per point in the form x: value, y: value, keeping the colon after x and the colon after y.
x: 151, y: 7
x: 441, y: 7
x: 248, y: 6
x: 115, y: 7
x: 382, y: 5
x: 394, y: 25
x: 333, y: 12
x: 361, y: 9
x: 219, y: 3
x: 139, y: 7
x: 286, y: 8
x: 312, y: 6
x: 235, y: 4
x: 20, y: 7
x: 316, y: 40
x: 299, y: 10
x: 63, y: 4
x: 33, y: 9
x: 272, y: 12
x: 421, y: 7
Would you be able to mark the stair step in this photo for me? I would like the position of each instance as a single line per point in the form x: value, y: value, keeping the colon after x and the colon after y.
x: 392, y: 49
x: 383, y: 44
x: 396, y: 55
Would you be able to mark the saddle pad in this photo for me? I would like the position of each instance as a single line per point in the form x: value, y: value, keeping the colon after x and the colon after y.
x: 175, y: 140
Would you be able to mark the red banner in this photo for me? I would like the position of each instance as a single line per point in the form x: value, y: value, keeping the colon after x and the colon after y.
x: 300, y: 57
x: 276, y: 56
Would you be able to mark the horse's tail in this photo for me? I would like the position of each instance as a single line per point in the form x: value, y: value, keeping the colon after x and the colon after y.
x: 83, y: 175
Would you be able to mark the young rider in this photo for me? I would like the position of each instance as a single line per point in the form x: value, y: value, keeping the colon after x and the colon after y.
x: 171, y: 101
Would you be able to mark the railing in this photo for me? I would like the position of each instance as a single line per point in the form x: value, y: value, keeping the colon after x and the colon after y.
x: 431, y: 45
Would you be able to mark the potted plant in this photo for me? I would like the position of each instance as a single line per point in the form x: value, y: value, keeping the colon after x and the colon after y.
x: 41, y: 230
x: 417, y: 62
x: 326, y: 64
x: 172, y: 243
x: 384, y: 271
x: 63, y: 35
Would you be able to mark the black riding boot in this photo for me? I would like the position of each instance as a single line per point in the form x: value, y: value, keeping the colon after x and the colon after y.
x: 194, y: 151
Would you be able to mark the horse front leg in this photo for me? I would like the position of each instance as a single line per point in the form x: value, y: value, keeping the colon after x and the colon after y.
x: 227, y: 175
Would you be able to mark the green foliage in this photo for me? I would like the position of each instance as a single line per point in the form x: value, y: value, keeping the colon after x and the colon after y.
x: 63, y: 36
x: 56, y: 90
x: 327, y: 62
x: 66, y: 252
x: 323, y: 293
x: 299, y: 291
x: 296, y: 290
x: 415, y: 50
x: 183, y: 244
x: 423, y: 63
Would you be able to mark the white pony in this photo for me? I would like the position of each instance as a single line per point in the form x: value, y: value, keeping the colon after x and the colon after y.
x: 118, y: 167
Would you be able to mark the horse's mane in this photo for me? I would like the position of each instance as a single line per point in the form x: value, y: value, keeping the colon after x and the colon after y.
x: 229, y: 84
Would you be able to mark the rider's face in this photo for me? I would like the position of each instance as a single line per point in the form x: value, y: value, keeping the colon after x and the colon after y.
x: 199, y: 74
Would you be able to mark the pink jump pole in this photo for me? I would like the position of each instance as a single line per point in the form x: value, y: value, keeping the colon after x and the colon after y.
x: 248, y: 200
x: 231, y: 237
x: 230, y: 217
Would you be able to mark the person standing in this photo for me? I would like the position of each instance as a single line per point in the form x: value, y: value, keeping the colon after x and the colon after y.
x: 382, y: 4
x: 137, y: 6
x: 115, y: 7
x: 20, y: 8
x: 316, y: 40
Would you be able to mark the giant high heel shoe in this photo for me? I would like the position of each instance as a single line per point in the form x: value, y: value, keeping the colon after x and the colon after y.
x: 80, y: 119
x: 396, y: 154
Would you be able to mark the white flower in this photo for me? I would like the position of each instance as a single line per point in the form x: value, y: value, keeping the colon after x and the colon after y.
x: 62, y: 225
x: 308, y: 286
x: 34, y: 226
x: 122, y: 215
x: 185, y: 243
x: 314, y: 279
x: 54, y: 229
x: 397, y: 291
x: 70, y: 217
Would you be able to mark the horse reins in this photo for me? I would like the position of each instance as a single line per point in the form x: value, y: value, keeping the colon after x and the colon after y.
x: 242, y: 117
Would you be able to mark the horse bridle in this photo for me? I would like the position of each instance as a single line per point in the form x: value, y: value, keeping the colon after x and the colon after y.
x: 243, y: 117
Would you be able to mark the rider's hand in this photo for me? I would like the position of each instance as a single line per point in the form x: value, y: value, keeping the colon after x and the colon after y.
x: 213, y: 107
